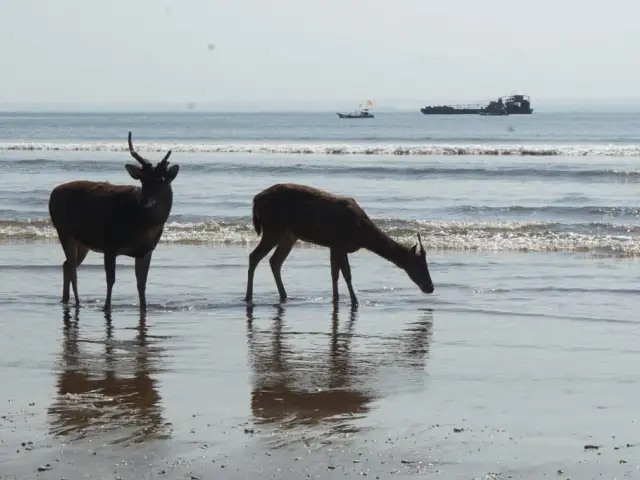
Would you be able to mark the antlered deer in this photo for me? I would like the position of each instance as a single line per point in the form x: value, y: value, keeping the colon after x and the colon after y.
x: 284, y: 213
x: 113, y: 220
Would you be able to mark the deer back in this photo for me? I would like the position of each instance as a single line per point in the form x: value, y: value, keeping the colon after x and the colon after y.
x: 313, y: 215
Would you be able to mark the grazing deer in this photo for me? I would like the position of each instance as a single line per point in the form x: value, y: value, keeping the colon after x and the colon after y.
x: 284, y: 213
x: 113, y: 220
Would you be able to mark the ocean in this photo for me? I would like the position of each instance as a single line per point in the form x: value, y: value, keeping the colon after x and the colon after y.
x: 519, y: 183
x: 523, y: 356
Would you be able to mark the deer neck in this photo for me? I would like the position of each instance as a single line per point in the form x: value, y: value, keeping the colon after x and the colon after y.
x: 386, y: 247
x: 159, y: 212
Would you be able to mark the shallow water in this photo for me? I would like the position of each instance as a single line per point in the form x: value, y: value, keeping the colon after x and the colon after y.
x: 527, y: 348
x: 303, y: 388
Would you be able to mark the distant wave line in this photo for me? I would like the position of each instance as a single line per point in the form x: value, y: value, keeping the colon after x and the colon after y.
x: 584, y: 217
x: 401, y: 171
x: 578, y: 210
x: 444, y: 149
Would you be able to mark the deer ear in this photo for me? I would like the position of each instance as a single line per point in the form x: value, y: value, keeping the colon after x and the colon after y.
x: 135, y: 171
x: 413, y: 249
x: 172, y: 173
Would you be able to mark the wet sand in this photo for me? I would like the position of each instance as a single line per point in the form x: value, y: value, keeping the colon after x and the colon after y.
x: 454, y: 385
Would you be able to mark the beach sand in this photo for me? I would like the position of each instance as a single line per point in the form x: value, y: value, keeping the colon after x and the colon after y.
x: 470, y: 382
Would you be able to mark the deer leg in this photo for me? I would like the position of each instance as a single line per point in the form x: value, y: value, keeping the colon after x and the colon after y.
x: 346, y: 273
x: 267, y: 242
x: 68, y: 273
x: 336, y: 261
x: 110, y: 270
x: 69, y: 270
x: 66, y: 281
x: 142, y: 270
x: 65, y: 273
x: 277, y: 259
x: 81, y: 254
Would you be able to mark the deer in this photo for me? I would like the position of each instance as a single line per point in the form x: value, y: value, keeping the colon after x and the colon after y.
x: 113, y: 220
x: 285, y: 213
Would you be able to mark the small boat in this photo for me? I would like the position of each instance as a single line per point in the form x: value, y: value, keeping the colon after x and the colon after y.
x: 364, y: 113
x: 361, y: 113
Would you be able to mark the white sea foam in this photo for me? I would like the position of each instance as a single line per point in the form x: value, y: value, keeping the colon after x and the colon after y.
x: 472, y: 236
x: 340, y: 149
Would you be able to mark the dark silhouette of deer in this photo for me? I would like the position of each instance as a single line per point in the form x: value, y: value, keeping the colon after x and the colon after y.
x: 284, y: 213
x: 113, y: 220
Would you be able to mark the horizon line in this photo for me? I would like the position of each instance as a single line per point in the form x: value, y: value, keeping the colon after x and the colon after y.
x: 267, y: 106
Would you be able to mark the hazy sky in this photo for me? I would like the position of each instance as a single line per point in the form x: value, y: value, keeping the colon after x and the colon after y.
x: 139, y: 51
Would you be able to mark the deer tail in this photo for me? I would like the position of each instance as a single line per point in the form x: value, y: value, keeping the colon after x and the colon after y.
x: 256, y: 220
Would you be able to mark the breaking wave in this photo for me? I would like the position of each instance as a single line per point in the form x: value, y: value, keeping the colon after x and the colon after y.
x: 577, y: 173
x: 596, y: 238
x: 342, y: 149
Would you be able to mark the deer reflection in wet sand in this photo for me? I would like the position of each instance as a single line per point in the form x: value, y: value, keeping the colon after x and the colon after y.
x: 306, y: 386
x: 110, y: 394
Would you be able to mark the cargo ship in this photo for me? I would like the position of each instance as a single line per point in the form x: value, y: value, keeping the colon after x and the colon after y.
x: 507, y: 105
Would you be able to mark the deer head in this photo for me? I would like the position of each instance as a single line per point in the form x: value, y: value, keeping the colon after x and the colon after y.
x: 155, y: 181
x: 417, y: 268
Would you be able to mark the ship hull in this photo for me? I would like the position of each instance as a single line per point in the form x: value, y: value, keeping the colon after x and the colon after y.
x: 519, y: 111
x: 470, y: 111
x: 346, y: 115
x: 450, y: 111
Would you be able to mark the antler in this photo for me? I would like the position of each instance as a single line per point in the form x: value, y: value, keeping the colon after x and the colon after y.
x: 420, y: 241
x: 136, y: 155
x: 165, y: 160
